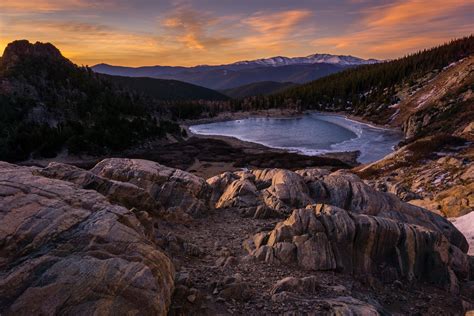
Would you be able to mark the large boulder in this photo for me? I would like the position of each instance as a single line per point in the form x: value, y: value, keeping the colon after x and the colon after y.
x: 323, y: 237
x: 277, y: 189
x: 173, y: 188
x: 66, y: 250
x: 123, y: 193
x: 284, y: 190
x: 239, y: 193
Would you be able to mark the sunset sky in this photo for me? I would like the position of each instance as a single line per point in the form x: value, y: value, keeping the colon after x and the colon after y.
x: 163, y: 32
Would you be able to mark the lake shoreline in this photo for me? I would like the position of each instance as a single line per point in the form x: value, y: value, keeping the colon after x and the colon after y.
x: 153, y: 150
x: 354, y: 124
x: 278, y: 113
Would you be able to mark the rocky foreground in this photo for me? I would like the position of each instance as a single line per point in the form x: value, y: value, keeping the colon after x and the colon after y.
x: 135, y: 237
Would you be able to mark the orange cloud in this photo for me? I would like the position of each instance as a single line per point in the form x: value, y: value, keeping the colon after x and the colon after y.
x: 404, y: 26
x: 46, y: 5
x: 194, y: 29
x: 277, y: 24
x: 274, y: 31
x: 413, y: 11
x: 90, y: 32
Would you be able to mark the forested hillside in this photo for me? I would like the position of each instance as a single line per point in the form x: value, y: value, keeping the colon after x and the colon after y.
x: 168, y: 90
x: 258, y: 88
x: 48, y: 103
x: 370, y: 90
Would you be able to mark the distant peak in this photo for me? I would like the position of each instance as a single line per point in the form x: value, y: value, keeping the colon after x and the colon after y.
x: 102, y: 65
x: 25, y: 48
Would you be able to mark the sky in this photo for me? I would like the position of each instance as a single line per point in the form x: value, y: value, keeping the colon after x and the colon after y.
x: 187, y: 33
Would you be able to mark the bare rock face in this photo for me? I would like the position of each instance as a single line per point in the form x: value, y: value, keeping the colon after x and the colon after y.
x: 284, y: 190
x: 454, y: 202
x: 355, y: 228
x: 173, y: 188
x: 323, y: 237
x: 277, y: 189
x: 123, y: 193
x: 66, y: 250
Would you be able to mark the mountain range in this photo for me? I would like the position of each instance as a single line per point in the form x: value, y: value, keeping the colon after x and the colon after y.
x: 220, y: 77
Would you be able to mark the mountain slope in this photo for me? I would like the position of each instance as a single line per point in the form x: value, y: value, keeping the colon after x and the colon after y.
x: 443, y: 104
x: 166, y: 90
x: 435, y: 169
x: 373, y: 91
x: 48, y: 103
x: 257, y: 88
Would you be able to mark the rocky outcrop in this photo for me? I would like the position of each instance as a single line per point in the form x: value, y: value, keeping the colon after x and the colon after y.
x: 66, y: 250
x: 284, y: 190
x: 441, y: 179
x: 323, y: 237
x: 175, y: 189
x: 443, y: 104
x: 78, y: 241
x: 123, y: 193
x: 453, y: 202
x: 19, y: 50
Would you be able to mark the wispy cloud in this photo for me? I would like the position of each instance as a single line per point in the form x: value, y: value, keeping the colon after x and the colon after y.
x: 41, y: 6
x: 195, y: 29
x: 185, y: 32
x: 414, y: 12
x: 272, y: 31
x: 402, y: 27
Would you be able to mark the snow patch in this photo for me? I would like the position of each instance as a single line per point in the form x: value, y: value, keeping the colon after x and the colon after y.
x: 465, y: 224
x: 394, y: 115
x: 424, y: 98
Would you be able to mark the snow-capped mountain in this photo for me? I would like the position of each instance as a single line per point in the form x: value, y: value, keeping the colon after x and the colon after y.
x: 277, y: 69
x: 342, y: 60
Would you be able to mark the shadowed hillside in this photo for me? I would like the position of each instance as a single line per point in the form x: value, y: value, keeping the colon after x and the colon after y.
x: 258, y: 88
x: 49, y: 104
x: 167, y: 90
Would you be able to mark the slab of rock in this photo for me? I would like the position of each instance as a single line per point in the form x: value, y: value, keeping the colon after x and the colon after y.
x: 123, y: 193
x: 66, y: 250
x: 173, y: 188
x: 323, y: 237
x: 284, y: 190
